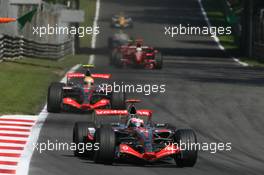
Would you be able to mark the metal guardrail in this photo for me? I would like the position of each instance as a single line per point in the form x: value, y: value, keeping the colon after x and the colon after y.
x: 11, y: 47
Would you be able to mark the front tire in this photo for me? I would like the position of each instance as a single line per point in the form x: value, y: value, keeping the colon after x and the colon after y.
x: 80, y: 134
x: 118, y: 100
x: 106, y: 138
x: 187, y: 157
x: 55, y: 95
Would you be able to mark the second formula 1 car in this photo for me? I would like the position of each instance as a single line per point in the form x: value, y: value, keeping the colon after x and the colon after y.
x: 137, y: 55
x: 118, y: 39
x: 132, y: 135
x: 80, y: 94
x: 121, y: 21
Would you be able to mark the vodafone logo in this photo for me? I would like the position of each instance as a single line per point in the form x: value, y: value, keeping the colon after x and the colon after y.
x: 111, y: 112
x: 144, y: 112
x: 75, y: 75
x: 125, y: 148
x: 105, y: 76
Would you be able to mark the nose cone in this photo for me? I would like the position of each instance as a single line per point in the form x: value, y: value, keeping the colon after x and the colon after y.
x: 138, y: 56
x: 149, y: 155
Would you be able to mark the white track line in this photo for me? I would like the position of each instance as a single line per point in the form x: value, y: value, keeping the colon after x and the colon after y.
x: 14, y: 132
x: 23, y: 165
x: 95, y: 24
x: 9, y: 140
x: 17, y: 122
x: 221, y: 47
x: 11, y: 151
x: 24, y: 162
x: 26, y: 117
x: 12, y: 138
x: 16, y: 127
x: 8, y: 167
x: 11, y: 159
x: 12, y: 144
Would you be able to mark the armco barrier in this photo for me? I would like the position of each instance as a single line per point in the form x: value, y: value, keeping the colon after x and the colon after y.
x: 11, y: 47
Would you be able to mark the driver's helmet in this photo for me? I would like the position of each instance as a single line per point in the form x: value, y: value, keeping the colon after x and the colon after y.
x: 135, y: 122
x: 139, y: 48
x: 87, y: 73
x: 88, y: 81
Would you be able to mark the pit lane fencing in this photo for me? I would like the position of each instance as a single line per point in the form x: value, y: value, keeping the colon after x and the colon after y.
x: 18, y: 46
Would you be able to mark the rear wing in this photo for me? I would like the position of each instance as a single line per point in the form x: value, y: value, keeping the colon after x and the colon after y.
x: 81, y: 75
x: 105, y: 112
x: 88, y: 66
x: 103, y: 76
x: 75, y: 75
x: 112, y: 116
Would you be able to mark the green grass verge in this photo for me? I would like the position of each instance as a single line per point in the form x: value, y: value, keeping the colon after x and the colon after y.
x: 24, y: 83
x: 215, y: 13
x: 253, y: 62
x: 89, y: 8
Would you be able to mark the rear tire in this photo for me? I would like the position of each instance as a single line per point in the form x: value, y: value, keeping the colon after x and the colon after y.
x: 188, y: 157
x: 118, y: 100
x: 55, y: 95
x: 159, y: 60
x: 106, y: 138
x: 80, y: 134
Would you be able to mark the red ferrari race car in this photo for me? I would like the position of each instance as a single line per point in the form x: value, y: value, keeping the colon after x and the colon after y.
x: 80, y: 94
x: 136, y: 55
x: 132, y: 135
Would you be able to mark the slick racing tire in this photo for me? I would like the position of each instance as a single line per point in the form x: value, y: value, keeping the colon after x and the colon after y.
x: 55, y: 95
x: 159, y: 60
x: 80, y: 136
x: 106, y: 138
x: 187, y: 157
x: 118, y: 100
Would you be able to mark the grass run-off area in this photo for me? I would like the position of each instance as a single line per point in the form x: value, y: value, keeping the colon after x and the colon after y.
x: 24, y: 83
x: 216, y: 15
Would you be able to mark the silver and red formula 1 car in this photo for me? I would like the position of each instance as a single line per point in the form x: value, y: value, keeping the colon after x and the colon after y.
x: 80, y: 94
x: 132, y: 135
x: 136, y: 55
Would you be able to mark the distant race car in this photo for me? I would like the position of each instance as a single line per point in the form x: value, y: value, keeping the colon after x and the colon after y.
x: 118, y: 39
x: 80, y: 94
x: 137, y: 55
x: 121, y: 21
x: 132, y: 135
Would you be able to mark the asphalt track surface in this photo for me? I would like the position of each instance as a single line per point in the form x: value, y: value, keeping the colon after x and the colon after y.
x: 205, y: 90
